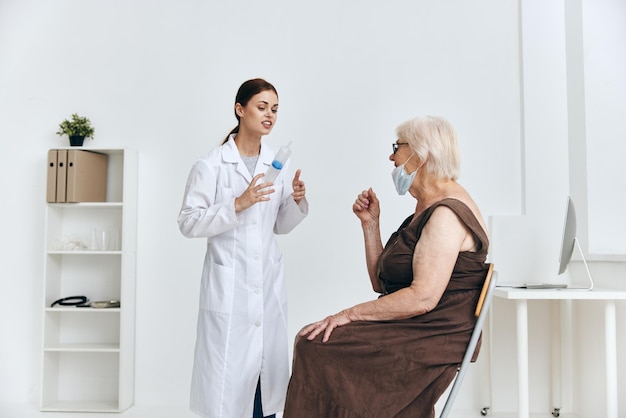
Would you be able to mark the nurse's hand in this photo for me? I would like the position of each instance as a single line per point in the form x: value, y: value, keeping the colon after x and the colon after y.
x: 326, y: 325
x: 298, y: 187
x: 254, y: 194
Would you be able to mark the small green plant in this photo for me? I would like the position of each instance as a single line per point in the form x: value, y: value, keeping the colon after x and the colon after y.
x: 78, y: 126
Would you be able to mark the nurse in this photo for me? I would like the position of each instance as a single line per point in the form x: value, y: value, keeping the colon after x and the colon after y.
x: 241, y: 360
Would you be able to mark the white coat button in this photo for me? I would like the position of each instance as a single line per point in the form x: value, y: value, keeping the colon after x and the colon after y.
x: 256, y: 257
x: 257, y: 323
x: 257, y: 291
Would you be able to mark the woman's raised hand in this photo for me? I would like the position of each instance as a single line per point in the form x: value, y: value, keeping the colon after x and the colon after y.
x: 254, y: 193
x: 367, y: 207
x: 298, y: 187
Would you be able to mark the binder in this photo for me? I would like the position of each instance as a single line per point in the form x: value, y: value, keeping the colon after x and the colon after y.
x: 61, y: 175
x: 86, y: 176
x: 51, y: 189
x: 76, y: 176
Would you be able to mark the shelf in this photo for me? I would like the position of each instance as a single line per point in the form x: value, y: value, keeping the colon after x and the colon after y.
x: 82, y: 327
x: 74, y: 309
x: 87, y: 205
x: 83, y: 252
x: 90, y: 249
x: 81, y: 380
x: 84, y: 348
x: 80, y: 406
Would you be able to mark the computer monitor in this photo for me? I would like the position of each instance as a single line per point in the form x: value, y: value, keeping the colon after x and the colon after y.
x: 569, y: 241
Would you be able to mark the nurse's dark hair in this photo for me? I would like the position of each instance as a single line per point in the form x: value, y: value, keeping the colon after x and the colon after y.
x: 247, y: 91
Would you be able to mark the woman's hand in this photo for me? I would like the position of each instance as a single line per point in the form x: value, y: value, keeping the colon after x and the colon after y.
x: 367, y: 207
x: 326, y: 325
x: 254, y: 194
x: 298, y: 188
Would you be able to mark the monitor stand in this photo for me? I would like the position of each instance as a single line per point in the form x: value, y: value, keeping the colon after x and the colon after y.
x: 582, y: 256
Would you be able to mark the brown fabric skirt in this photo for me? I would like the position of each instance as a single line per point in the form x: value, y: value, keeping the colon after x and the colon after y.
x: 382, y: 369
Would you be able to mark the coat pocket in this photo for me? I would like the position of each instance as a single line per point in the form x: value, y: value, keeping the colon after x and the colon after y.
x: 217, y: 289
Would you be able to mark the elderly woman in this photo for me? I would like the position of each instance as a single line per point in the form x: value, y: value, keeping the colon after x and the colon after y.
x: 394, y: 356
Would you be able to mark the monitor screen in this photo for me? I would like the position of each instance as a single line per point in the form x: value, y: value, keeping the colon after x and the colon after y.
x: 569, y: 236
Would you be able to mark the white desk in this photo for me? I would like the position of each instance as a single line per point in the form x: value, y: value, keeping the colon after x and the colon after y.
x: 521, y: 297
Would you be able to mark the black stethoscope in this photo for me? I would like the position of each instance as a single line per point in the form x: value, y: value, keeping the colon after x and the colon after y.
x: 83, y: 302
x: 78, y: 301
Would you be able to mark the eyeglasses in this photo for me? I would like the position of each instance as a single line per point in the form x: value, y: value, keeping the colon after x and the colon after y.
x: 396, y: 145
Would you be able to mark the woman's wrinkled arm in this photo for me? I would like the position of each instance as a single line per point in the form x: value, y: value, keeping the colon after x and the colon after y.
x: 433, y: 262
x: 367, y: 208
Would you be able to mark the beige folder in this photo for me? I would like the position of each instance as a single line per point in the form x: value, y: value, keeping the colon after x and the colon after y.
x: 51, y: 189
x: 61, y: 175
x: 86, y: 176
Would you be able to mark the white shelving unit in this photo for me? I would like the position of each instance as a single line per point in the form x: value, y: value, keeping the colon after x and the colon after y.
x: 89, y: 353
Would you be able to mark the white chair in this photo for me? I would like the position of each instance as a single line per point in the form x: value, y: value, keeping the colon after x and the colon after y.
x: 482, y: 308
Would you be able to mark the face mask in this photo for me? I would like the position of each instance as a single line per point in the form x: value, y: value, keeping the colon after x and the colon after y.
x: 401, y: 179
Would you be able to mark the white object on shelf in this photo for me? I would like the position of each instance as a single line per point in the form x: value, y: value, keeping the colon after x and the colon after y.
x: 88, y: 353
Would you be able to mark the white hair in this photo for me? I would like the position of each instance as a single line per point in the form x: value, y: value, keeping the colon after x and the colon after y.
x: 434, y: 142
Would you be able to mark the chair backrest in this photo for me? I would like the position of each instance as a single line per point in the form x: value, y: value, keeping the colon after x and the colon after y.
x: 482, y: 308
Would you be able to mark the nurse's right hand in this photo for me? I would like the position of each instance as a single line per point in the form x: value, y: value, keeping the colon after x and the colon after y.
x: 254, y: 194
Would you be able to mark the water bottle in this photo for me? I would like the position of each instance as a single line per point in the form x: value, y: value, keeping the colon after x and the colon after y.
x: 277, y: 164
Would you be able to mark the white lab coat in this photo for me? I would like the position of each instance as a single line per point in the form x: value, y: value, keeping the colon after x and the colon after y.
x: 242, y: 323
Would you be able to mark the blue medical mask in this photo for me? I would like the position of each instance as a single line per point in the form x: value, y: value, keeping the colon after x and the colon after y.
x: 401, y: 179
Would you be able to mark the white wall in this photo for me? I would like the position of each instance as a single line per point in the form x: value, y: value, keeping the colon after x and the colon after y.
x: 604, y: 38
x: 160, y: 77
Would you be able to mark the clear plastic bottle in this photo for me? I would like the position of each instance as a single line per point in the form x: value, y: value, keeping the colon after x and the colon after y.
x: 279, y: 161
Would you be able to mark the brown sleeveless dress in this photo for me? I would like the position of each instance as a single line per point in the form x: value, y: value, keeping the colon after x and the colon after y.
x: 399, y: 368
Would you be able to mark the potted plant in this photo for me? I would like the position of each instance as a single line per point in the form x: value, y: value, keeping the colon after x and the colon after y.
x: 76, y: 129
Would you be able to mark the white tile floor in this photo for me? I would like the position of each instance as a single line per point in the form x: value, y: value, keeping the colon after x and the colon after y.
x: 32, y: 411
x: 138, y: 411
